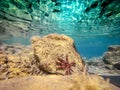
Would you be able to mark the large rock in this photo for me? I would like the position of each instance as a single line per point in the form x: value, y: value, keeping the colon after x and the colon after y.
x: 57, y: 82
x: 52, y: 54
x: 112, y: 56
x: 57, y: 54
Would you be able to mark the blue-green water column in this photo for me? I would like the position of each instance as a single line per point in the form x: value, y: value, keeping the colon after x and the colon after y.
x: 93, y: 24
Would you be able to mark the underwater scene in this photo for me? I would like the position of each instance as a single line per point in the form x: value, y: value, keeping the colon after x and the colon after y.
x: 49, y: 41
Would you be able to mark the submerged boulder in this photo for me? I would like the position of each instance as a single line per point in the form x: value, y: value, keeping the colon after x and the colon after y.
x: 57, y: 54
x: 52, y: 54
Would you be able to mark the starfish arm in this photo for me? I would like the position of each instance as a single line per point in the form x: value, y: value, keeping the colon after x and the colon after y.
x: 65, y: 65
x: 67, y: 72
x: 61, y: 63
x: 61, y: 67
x: 67, y: 59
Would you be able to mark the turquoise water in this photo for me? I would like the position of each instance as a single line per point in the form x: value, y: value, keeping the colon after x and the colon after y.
x: 93, y: 24
x: 87, y: 46
x: 90, y: 47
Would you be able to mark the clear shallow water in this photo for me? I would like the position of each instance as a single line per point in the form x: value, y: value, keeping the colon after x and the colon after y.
x: 93, y: 25
x: 91, y: 40
x: 90, y: 47
x: 87, y: 46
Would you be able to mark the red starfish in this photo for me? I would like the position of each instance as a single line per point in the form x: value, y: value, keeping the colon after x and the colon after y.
x: 65, y: 65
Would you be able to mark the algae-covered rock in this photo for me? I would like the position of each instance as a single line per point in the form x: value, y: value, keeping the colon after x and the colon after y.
x: 56, y: 54
x: 52, y: 54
